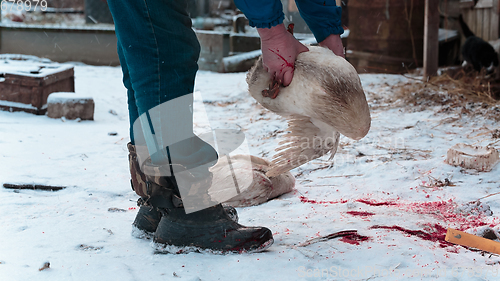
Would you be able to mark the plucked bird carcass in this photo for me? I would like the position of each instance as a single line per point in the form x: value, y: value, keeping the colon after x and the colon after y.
x: 324, y: 99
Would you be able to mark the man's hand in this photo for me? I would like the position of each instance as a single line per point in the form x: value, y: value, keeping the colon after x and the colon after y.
x: 334, y: 43
x: 279, y: 51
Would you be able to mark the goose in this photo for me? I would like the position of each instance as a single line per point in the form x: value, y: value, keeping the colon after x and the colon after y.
x: 258, y: 187
x: 324, y: 99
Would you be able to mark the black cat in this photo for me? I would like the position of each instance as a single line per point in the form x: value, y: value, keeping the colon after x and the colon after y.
x: 476, y: 51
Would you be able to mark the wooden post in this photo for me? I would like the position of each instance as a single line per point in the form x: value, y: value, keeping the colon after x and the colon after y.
x: 495, y: 20
x: 431, y: 43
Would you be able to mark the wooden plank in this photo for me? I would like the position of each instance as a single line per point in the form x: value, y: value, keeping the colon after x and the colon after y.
x: 479, y: 22
x: 472, y: 20
x: 431, y: 37
x: 21, y: 80
x: 469, y: 18
x: 466, y: 4
x: 495, y: 23
x: 484, y: 4
x: 31, y: 81
x: 465, y: 14
x: 465, y: 239
x: 486, y: 24
x: 49, y: 79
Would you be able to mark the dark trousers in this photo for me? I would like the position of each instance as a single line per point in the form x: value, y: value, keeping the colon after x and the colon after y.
x: 158, y: 53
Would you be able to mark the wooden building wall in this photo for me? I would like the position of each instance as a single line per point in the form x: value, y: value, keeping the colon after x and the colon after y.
x: 483, y: 18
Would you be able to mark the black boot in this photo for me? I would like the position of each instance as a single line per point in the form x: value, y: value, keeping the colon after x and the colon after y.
x: 210, y: 229
x: 148, y: 217
x: 146, y: 222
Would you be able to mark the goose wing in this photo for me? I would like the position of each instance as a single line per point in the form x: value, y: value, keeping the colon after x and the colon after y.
x: 305, y: 142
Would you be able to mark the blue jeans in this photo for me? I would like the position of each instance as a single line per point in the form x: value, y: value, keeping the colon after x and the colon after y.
x: 158, y: 52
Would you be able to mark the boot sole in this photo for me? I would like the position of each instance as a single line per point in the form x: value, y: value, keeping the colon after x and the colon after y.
x: 172, y: 249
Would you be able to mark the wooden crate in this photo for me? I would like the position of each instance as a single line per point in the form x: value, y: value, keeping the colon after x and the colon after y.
x: 25, y: 87
x: 483, y: 18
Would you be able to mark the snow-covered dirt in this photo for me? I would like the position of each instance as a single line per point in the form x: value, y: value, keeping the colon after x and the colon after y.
x: 393, y: 187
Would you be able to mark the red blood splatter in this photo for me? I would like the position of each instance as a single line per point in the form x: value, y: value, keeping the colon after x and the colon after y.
x: 304, y: 199
x: 363, y: 214
x: 354, y: 239
x: 446, y: 211
x: 372, y: 203
x: 17, y: 18
x: 437, y: 236
x: 281, y: 57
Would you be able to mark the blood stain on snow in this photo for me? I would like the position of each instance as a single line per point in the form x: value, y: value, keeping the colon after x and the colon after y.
x: 304, y: 199
x: 437, y: 236
x: 373, y: 203
x: 354, y: 239
x: 446, y: 211
x: 443, y: 210
x: 362, y: 214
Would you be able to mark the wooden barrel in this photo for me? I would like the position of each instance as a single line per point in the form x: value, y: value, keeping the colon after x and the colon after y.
x: 391, y: 32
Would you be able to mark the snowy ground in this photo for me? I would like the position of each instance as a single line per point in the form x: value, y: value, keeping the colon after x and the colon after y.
x: 386, y: 186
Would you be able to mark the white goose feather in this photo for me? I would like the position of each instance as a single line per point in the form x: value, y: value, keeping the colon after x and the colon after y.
x: 324, y: 99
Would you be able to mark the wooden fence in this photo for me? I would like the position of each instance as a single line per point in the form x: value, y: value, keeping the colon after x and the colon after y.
x: 483, y: 18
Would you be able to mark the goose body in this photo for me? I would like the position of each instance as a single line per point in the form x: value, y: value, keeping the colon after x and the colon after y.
x: 324, y: 99
x: 257, y: 186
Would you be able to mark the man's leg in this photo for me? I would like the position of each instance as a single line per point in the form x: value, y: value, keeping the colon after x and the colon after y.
x: 155, y: 75
x: 160, y: 51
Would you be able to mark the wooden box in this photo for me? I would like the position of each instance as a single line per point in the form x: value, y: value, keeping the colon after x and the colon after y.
x: 25, y: 86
